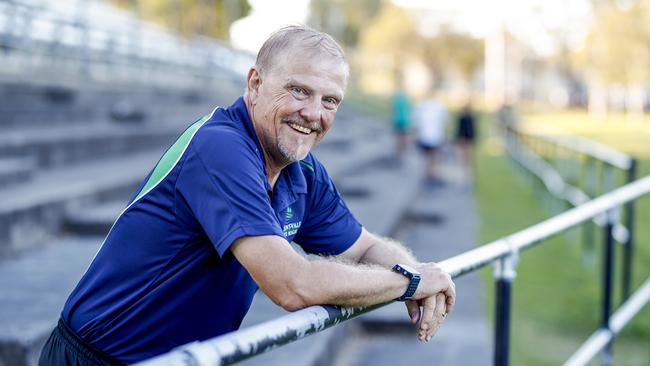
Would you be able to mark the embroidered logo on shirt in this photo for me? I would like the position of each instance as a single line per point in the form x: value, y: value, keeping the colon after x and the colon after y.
x: 291, y: 228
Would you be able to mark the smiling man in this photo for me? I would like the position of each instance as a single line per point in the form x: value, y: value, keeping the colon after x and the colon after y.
x: 213, y: 220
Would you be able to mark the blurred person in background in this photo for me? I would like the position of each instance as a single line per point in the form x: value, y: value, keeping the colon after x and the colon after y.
x: 215, y: 218
x: 465, y: 137
x: 430, y: 121
x: 401, y: 104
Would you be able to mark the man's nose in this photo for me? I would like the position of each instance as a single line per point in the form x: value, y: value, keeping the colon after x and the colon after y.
x: 312, y: 110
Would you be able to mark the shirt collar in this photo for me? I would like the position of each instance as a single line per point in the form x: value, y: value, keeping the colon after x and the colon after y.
x: 292, y: 174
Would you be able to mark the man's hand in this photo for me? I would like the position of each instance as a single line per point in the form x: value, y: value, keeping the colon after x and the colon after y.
x: 436, y: 294
x: 426, y: 306
x: 433, y: 315
x: 434, y: 280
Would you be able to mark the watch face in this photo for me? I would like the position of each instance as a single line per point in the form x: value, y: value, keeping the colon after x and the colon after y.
x: 409, y: 268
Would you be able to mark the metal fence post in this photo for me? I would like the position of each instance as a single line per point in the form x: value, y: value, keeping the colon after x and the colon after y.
x: 504, y: 273
x: 628, y: 250
x: 608, y: 274
x: 589, y: 187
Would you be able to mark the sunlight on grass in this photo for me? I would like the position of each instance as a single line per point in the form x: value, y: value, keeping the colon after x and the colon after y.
x: 617, y: 131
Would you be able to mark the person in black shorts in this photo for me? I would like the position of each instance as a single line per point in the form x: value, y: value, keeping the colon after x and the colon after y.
x: 465, y: 136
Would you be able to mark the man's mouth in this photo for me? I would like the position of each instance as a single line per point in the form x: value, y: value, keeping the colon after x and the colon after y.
x: 299, y: 128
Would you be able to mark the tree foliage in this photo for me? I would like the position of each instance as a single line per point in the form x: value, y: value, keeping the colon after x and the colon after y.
x: 450, y: 51
x: 618, y: 47
x: 343, y: 19
x: 393, y: 32
x: 207, y: 17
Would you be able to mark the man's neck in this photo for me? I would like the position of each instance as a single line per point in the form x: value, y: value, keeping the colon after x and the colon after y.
x: 272, y: 173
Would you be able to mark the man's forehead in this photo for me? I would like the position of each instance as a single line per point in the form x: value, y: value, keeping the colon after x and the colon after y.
x: 314, y: 62
x: 298, y: 56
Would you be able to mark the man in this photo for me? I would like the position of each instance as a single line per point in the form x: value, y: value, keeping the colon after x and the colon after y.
x: 214, y: 219
x: 431, y: 118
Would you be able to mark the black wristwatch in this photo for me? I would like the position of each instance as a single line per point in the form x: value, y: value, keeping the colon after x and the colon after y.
x: 412, y: 275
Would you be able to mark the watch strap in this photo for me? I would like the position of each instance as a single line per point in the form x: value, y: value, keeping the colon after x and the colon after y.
x: 414, y: 278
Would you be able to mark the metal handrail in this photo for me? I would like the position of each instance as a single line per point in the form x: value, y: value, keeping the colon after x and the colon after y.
x: 558, y: 187
x: 582, y: 145
x: 245, y: 343
x: 525, y: 151
x: 601, y: 338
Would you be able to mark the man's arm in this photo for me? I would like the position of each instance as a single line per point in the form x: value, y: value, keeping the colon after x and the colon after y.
x: 385, y: 252
x: 293, y: 282
x: 372, y: 249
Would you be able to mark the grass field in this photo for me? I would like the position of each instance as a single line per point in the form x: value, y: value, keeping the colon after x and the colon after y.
x: 557, y: 293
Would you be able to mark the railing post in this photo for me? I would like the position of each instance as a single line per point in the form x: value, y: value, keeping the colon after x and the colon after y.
x: 628, y: 250
x: 608, y: 274
x: 504, y: 273
x: 589, y: 187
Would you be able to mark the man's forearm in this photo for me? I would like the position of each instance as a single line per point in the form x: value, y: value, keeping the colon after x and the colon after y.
x: 334, y: 282
x: 387, y: 252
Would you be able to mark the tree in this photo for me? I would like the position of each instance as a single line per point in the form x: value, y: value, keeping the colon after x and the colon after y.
x: 453, y: 52
x: 617, y: 51
x: 344, y: 20
x: 206, y: 17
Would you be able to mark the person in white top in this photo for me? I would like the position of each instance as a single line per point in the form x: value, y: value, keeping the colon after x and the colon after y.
x: 431, y: 119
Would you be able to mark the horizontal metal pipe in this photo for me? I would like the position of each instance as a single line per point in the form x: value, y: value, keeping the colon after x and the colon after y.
x: 556, y: 185
x: 245, y: 343
x: 582, y: 145
x: 617, y: 321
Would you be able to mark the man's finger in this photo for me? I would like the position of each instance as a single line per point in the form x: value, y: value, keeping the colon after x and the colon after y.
x: 450, y: 297
x: 439, y: 315
x: 428, y: 307
x: 413, y: 309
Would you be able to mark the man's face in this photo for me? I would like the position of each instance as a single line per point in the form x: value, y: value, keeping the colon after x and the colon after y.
x: 294, y: 103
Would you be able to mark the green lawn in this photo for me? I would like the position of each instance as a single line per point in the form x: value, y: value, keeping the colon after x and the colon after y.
x: 556, y: 293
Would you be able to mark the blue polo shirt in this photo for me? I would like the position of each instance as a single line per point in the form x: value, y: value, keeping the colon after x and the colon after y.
x: 164, y: 275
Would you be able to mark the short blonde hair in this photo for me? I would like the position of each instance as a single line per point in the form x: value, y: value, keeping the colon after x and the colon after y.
x: 297, y: 36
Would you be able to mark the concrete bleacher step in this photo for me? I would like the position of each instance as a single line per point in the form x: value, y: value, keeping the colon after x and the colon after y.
x: 32, y: 212
x: 33, y: 104
x: 93, y: 220
x: 15, y: 170
x: 62, y: 145
x: 34, y: 288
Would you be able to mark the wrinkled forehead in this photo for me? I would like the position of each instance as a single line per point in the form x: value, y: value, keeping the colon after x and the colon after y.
x: 330, y: 60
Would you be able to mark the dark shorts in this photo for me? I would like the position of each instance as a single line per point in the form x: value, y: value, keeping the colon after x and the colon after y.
x: 64, y: 347
x: 427, y: 148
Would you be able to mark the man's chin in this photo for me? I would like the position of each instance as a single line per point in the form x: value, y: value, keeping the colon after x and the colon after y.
x: 296, y: 154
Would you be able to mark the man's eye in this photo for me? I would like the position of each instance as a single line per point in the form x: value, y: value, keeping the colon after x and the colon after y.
x: 298, y: 90
x: 331, y: 103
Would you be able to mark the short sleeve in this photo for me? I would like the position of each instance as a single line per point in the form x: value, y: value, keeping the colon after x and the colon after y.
x: 222, y: 181
x: 328, y: 227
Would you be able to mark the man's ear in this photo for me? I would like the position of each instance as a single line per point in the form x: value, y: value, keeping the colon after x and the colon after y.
x: 253, y: 82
